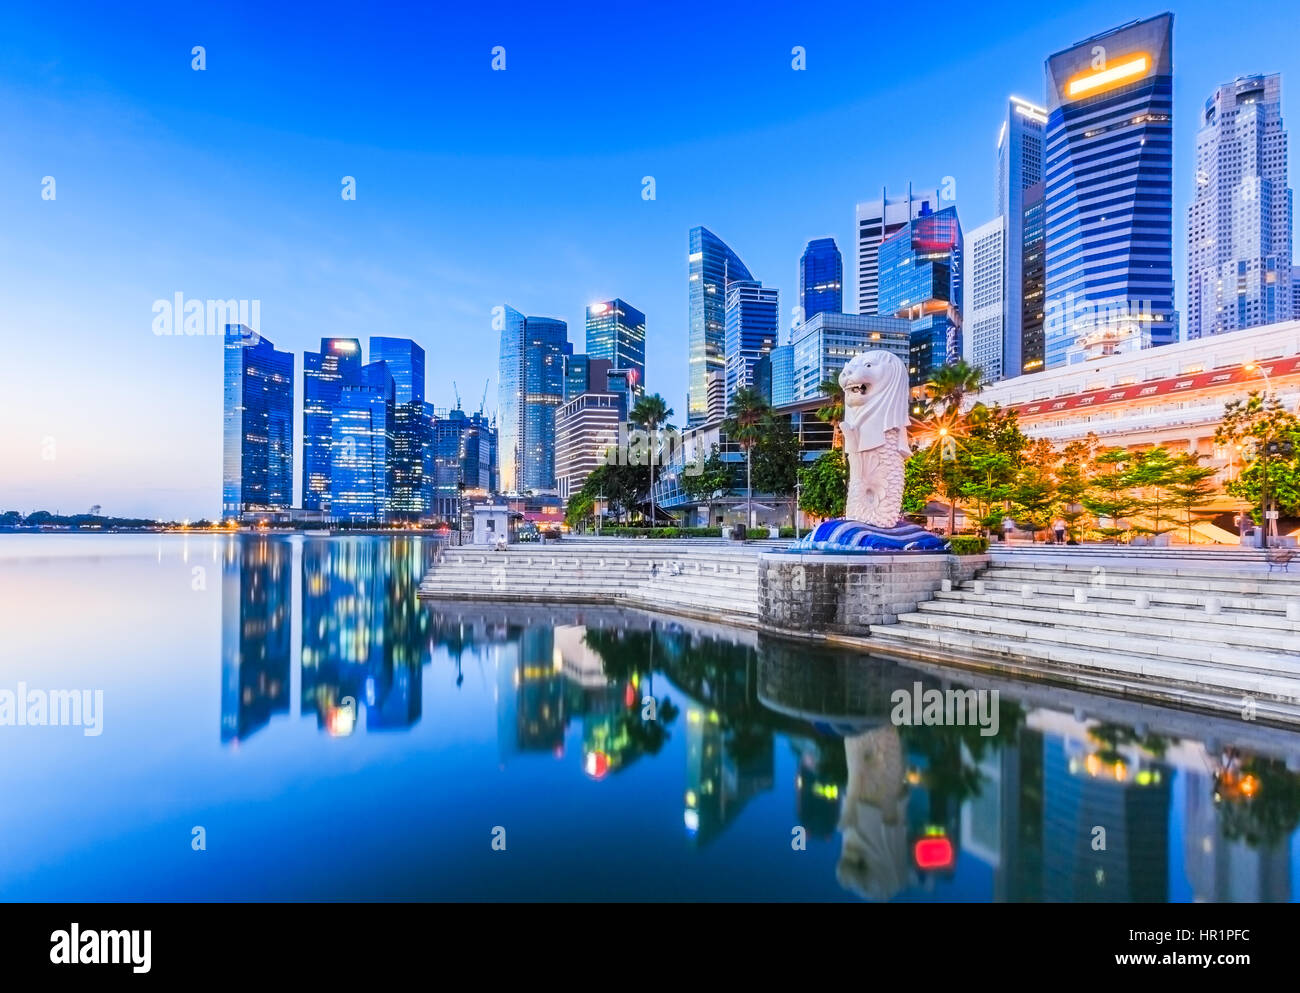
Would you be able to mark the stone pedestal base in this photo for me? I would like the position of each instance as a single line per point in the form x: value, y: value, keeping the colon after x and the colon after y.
x: 844, y: 594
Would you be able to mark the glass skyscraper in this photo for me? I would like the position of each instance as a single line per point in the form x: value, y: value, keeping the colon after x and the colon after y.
x: 531, y: 384
x: 821, y: 278
x: 782, y: 359
x: 920, y: 281
x: 712, y: 266
x: 822, y: 347
x: 361, y: 466
x: 257, y: 425
x: 616, y: 331
x: 405, y: 364
x: 324, y: 374
x: 1020, y: 173
x: 1108, y: 189
x: 752, y: 316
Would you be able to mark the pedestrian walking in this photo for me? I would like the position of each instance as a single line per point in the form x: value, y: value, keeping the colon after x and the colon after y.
x: 1059, y: 528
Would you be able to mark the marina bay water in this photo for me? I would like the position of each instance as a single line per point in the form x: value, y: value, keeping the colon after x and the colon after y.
x: 283, y: 719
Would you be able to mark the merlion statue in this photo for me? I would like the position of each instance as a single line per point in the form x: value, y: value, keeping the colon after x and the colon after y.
x: 875, y: 436
x: 876, y: 399
x: 873, y: 818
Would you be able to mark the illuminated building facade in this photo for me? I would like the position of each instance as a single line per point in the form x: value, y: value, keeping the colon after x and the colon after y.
x: 752, y: 316
x: 1239, y: 224
x: 822, y: 346
x: 257, y: 425
x: 1020, y: 174
x: 920, y: 280
x: 585, y: 428
x: 616, y: 333
x: 984, y: 309
x: 361, y: 465
x: 324, y: 374
x: 712, y: 266
x: 821, y: 279
x: 531, y: 384
x: 1108, y: 190
x: 876, y: 220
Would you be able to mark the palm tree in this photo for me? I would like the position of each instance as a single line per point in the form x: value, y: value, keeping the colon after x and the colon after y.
x: 749, y: 409
x: 651, y: 413
x: 941, y: 405
x: 833, y: 410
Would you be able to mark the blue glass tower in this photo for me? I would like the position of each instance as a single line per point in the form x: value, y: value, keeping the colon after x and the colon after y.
x: 752, y: 316
x: 1108, y: 193
x: 920, y: 281
x: 531, y: 384
x: 257, y: 425
x: 361, y: 466
x: 324, y: 374
x: 821, y: 279
x: 405, y: 364
x: 616, y: 331
x: 712, y: 265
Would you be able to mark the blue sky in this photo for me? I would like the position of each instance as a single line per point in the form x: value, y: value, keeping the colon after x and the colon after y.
x: 474, y: 187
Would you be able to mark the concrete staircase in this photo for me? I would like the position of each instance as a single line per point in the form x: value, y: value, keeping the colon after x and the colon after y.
x: 1190, y: 634
x: 693, y: 577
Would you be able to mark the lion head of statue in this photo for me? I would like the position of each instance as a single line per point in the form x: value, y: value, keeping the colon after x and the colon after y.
x: 875, y: 400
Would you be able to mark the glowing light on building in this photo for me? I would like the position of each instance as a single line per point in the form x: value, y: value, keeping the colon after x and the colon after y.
x: 1106, y: 79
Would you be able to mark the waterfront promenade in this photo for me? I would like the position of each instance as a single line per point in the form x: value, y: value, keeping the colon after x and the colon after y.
x: 1215, y: 630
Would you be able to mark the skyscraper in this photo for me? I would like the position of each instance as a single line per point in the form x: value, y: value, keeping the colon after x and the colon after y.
x: 984, y: 310
x: 361, y: 462
x: 1033, y: 271
x: 712, y: 266
x: 821, y: 279
x: 405, y: 364
x: 324, y: 374
x: 920, y: 281
x: 257, y: 425
x: 1020, y: 168
x: 752, y: 316
x: 531, y: 385
x: 1239, y: 224
x: 822, y: 346
x: 1108, y: 189
x: 876, y: 221
x: 616, y: 331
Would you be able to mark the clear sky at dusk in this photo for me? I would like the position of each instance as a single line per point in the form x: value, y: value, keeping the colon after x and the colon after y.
x: 474, y: 187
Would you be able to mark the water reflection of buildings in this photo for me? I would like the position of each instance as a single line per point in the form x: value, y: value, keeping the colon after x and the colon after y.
x: 256, y: 595
x: 364, y: 634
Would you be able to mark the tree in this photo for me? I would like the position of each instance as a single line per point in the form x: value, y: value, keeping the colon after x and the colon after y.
x: 713, y: 479
x: 1192, y: 486
x: 832, y: 412
x: 1268, y: 437
x: 1107, y: 495
x: 941, y: 407
x: 947, y: 391
x: 620, y: 485
x: 1033, y: 497
x: 991, y: 487
x: 651, y: 412
x: 776, y: 457
x: 1153, y: 471
x: 1072, y: 483
x: 824, y: 485
x: 919, y: 482
x: 744, y: 426
x: 580, y: 508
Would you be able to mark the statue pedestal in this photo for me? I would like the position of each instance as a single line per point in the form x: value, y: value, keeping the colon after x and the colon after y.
x: 817, y: 595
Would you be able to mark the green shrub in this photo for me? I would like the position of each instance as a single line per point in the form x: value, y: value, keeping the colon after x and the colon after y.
x: 968, y: 544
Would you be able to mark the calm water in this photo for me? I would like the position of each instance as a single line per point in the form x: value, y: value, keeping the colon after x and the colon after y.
x: 334, y: 738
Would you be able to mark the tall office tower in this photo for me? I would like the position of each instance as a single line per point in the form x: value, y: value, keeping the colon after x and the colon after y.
x: 712, y: 266
x: 920, y: 281
x: 1108, y: 185
x: 782, y: 359
x: 616, y: 331
x: 821, y: 347
x: 1295, y: 292
x: 478, y: 454
x: 257, y: 425
x: 447, y: 447
x: 1020, y: 167
x: 876, y: 221
x: 408, y: 458
x: 752, y: 316
x: 1033, y: 272
x: 1239, y: 224
x: 405, y: 364
x: 531, y: 385
x: 821, y: 278
x: 361, y: 463
x: 585, y: 428
x: 984, y: 310
x: 324, y: 374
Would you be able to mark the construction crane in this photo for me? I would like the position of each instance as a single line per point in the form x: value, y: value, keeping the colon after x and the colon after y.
x: 483, y: 403
x: 455, y: 390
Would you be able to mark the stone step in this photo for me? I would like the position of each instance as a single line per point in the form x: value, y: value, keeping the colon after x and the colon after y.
x: 1256, y: 602
x: 1153, y: 672
x: 1201, y: 628
x: 1106, y: 577
x: 1111, y: 642
x: 1252, y: 613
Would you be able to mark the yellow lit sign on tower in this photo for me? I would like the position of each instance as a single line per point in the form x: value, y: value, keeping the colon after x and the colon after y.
x: 1099, y: 80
